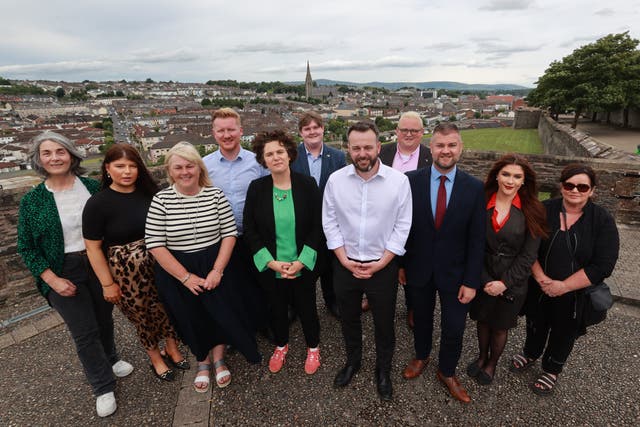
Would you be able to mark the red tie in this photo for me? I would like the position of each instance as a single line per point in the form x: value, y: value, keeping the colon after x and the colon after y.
x: 441, y: 203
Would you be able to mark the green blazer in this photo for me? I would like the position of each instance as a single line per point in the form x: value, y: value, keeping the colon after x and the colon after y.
x: 40, y: 238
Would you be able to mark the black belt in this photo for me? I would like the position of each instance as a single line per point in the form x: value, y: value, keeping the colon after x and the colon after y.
x: 77, y: 253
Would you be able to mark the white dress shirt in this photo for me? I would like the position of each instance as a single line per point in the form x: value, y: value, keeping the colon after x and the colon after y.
x: 367, y: 217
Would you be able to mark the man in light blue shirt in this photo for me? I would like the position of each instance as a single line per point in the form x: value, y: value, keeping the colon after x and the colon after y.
x: 232, y: 168
x: 366, y: 216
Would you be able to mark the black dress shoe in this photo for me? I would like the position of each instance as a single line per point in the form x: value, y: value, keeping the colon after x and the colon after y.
x: 344, y: 376
x: 332, y: 307
x: 383, y: 383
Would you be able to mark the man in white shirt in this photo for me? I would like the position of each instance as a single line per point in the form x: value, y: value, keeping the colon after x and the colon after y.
x: 366, y: 216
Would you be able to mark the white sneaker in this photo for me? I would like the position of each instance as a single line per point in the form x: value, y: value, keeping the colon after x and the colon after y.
x: 122, y: 368
x: 106, y: 404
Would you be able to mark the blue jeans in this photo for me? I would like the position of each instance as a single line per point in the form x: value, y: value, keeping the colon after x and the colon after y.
x: 88, y: 318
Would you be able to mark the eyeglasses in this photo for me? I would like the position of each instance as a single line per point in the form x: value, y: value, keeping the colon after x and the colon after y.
x: 409, y: 131
x: 569, y: 186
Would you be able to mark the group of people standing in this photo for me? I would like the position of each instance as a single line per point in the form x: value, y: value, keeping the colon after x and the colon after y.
x: 197, y: 261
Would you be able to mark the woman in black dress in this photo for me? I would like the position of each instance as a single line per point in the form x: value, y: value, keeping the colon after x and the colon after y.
x: 582, y: 249
x: 114, y: 220
x: 515, y: 224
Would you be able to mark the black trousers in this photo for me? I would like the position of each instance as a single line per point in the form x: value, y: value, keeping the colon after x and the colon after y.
x: 452, y: 323
x: 551, y: 322
x: 88, y: 318
x: 381, y: 290
x: 303, y: 297
x: 326, y: 277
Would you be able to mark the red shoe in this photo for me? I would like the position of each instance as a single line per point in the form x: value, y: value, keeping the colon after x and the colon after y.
x: 312, y: 363
x: 277, y: 359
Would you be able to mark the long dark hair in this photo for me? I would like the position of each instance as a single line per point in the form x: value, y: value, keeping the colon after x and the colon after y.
x: 144, y: 182
x: 534, y: 212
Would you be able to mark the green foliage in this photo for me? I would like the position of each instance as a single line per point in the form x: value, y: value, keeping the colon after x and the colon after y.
x: 337, y: 128
x: 312, y: 101
x: 4, y: 82
x: 524, y: 141
x: 258, y: 100
x: 60, y: 92
x: 262, y: 87
x: 219, y: 103
x: 205, y: 102
x: 600, y: 76
x: 477, y: 115
x: 384, y: 125
x: 149, y: 80
x: 344, y: 89
x: 78, y: 95
x: 452, y: 118
x: 119, y: 93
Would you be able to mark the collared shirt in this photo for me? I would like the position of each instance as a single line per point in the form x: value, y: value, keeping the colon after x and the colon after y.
x: 405, y: 163
x: 367, y: 217
x: 497, y: 226
x: 435, y: 183
x: 315, y: 164
x: 233, y: 178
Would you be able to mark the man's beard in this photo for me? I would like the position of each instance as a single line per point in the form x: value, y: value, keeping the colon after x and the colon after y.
x: 370, y: 165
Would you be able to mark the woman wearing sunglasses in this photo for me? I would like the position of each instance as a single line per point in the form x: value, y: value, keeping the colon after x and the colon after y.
x: 582, y: 249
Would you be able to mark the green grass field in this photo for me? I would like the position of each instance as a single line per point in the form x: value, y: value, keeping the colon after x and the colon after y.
x: 524, y: 141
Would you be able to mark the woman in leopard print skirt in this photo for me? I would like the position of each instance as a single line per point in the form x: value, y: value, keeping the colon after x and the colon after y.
x: 113, y: 223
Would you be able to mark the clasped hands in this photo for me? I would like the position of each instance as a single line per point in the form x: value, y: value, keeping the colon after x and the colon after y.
x: 197, y: 284
x: 363, y: 270
x: 552, y: 288
x: 287, y: 270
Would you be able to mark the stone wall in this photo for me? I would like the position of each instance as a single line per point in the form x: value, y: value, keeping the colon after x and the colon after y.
x: 617, y: 117
x: 526, y: 118
x: 561, y: 140
x: 619, y: 183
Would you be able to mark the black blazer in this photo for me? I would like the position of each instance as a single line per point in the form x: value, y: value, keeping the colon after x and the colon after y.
x: 332, y: 160
x: 388, y: 152
x: 260, y: 227
x: 453, y: 255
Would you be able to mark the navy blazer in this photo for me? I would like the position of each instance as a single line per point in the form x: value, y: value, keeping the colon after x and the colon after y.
x: 388, y: 152
x: 259, y: 222
x: 454, y: 254
x: 332, y: 160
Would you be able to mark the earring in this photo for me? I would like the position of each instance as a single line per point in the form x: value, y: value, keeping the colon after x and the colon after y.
x: 108, y: 175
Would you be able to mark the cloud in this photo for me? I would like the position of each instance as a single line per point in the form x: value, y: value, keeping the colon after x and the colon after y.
x: 54, y: 68
x: 506, y: 5
x: 149, y: 56
x: 581, y: 40
x: 277, y: 48
x: 499, y: 50
x: 344, y: 65
x: 605, y: 12
x: 445, y: 45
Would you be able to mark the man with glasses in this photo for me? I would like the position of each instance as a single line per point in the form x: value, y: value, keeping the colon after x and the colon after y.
x: 406, y: 155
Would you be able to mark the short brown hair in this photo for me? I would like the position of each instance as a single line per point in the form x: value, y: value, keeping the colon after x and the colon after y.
x: 275, y: 135
x: 363, y: 127
x: 308, y: 117
x: 225, y: 113
x: 445, y: 128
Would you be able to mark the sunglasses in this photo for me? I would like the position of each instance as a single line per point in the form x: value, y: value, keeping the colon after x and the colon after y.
x: 569, y: 186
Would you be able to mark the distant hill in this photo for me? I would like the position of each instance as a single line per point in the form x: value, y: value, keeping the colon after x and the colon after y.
x: 424, y: 85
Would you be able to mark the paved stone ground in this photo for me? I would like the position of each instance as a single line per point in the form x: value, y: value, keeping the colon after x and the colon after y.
x: 43, y: 385
x: 623, y: 139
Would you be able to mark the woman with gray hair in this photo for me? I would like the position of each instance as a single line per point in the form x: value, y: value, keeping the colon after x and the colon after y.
x: 51, y: 245
x: 191, y: 233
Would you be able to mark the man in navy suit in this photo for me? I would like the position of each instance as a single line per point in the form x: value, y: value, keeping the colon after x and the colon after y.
x: 319, y: 161
x: 445, y: 252
x: 408, y: 154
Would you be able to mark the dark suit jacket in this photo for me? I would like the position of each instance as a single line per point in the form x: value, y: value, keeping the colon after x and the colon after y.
x: 332, y: 160
x: 259, y: 223
x: 388, y: 152
x: 453, y: 255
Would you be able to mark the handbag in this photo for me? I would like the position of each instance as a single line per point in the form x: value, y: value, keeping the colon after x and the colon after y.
x: 599, y: 296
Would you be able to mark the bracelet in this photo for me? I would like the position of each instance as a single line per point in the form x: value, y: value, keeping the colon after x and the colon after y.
x: 109, y: 285
x: 217, y: 271
x: 187, y: 277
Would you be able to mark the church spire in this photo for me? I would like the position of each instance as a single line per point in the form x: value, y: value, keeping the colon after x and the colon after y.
x: 308, y: 83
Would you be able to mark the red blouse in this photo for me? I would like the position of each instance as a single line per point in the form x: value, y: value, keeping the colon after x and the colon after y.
x: 494, y: 218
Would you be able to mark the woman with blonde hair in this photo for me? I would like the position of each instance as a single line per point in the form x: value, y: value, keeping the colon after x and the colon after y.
x: 191, y: 232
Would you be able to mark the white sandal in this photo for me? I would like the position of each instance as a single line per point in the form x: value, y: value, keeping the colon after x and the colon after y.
x: 203, y: 379
x: 222, y: 374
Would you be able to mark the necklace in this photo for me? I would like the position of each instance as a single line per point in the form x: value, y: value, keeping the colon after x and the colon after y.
x: 194, y: 226
x: 279, y: 196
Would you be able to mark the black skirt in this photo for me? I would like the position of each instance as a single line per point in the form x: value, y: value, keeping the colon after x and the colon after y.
x: 210, y: 318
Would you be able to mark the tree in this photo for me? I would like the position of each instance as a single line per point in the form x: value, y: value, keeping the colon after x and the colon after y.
x: 600, y: 76
x: 149, y: 80
x: 60, y: 92
x: 119, y: 93
x: 205, y: 102
x: 384, y: 125
x: 452, y: 118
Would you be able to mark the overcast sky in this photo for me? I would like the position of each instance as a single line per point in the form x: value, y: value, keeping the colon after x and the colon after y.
x: 482, y: 41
